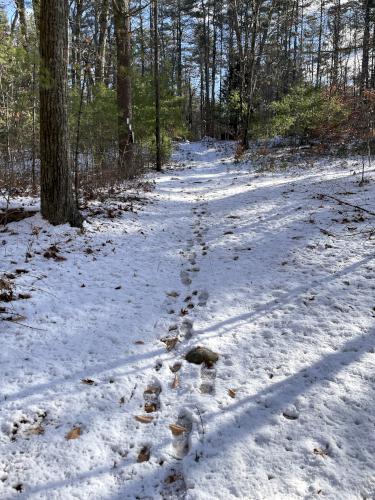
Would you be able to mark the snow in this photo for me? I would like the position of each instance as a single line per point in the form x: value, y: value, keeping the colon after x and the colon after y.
x: 282, y: 284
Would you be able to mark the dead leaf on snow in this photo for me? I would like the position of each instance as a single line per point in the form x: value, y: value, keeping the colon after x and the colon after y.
x: 150, y: 407
x: 75, y: 433
x: 170, y: 342
x: 144, y: 455
x: 177, y: 430
x: 321, y: 452
x: 15, y: 319
x: 173, y: 294
x: 88, y: 381
x: 176, y: 367
x: 37, y: 431
x: 176, y: 382
x: 24, y: 296
x: 232, y: 393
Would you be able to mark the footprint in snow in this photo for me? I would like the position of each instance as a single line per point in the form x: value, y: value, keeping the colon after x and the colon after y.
x: 208, y: 376
x: 187, y: 329
x: 181, y: 432
x: 151, y: 397
x: 185, y: 278
x: 203, y: 298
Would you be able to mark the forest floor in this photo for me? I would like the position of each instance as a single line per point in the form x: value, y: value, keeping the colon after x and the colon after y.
x: 97, y: 400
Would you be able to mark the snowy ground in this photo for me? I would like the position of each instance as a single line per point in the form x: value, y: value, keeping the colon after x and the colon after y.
x: 253, y: 265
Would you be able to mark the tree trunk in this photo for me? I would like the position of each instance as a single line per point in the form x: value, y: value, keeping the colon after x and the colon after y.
x: 57, y: 204
x: 336, y: 43
x: 364, y: 84
x: 20, y: 4
x: 157, y: 88
x: 36, y: 10
x: 124, y: 87
x: 102, y: 42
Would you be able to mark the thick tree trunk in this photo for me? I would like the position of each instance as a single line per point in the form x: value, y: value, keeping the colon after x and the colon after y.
x: 124, y: 87
x: 57, y: 204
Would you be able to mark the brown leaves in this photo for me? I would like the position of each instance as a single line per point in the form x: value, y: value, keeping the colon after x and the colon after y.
x: 37, y: 430
x: 150, y: 407
x: 75, y: 433
x: 88, y: 381
x: 174, y: 295
x: 321, y: 452
x: 176, y: 367
x: 144, y: 455
x: 232, y: 393
x: 177, y: 430
x: 6, y: 290
x: 53, y: 253
x: 176, y: 382
x: 170, y: 342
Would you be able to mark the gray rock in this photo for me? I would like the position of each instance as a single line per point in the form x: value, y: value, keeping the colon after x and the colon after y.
x: 200, y: 355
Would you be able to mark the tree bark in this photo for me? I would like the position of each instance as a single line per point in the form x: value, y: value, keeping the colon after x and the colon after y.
x: 364, y: 83
x: 102, y: 42
x: 57, y: 204
x: 20, y: 4
x: 157, y: 88
x: 124, y: 86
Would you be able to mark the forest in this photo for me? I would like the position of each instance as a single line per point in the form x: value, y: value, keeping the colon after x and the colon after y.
x: 187, y: 206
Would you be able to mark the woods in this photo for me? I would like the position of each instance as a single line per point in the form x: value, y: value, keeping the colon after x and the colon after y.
x: 187, y: 205
x: 139, y: 76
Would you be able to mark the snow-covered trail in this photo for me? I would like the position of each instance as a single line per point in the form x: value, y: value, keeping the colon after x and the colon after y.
x: 255, y: 267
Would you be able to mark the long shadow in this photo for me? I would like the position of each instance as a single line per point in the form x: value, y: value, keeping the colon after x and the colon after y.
x: 253, y: 417
x: 288, y: 296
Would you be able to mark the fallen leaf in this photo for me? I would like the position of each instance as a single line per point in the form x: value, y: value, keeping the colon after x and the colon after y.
x: 150, y: 407
x: 232, y: 393
x: 74, y: 433
x: 144, y: 455
x: 177, y: 430
x: 144, y: 419
x: 139, y: 342
x: 176, y: 382
x: 15, y: 319
x: 24, y: 296
x: 153, y: 389
x: 88, y: 381
x: 37, y: 431
x: 170, y: 342
x: 173, y: 294
x: 176, y: 367
x: 320, y: 452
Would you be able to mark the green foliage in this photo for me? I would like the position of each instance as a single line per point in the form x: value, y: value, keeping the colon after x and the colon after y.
x: 172, y: 114
x: 17, y: 93
x: 306, y: 112
x: 99, y: 117
x: 98, y: 127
